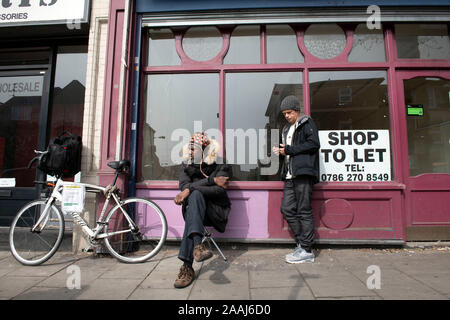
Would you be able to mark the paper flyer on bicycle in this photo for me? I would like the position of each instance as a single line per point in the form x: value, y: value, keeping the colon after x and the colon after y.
x: 73, y: 196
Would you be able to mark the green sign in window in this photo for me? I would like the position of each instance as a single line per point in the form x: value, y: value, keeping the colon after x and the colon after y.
x: 415, y: 110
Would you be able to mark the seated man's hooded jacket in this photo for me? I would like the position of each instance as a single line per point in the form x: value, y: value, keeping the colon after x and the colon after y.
x: 191, y: 177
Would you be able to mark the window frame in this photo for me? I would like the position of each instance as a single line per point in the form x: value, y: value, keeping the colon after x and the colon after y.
x: 311, y: 63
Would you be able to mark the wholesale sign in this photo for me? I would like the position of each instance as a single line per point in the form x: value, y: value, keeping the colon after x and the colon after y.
x: 355, y: 155
x: 32, y: 12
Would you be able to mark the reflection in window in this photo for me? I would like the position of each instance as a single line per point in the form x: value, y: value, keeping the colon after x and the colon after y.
x: 252, y: 110
x: 202, y: 43
x: 161, y: 48
x: 349, y: 100
x: 429, y: 132
x: 173, y: 103
x: 368, y: 45
x: 20, y: 101
x: 244, y: 46
x: 325, y: 41
x: 282, y: 45
x: 69, y: 89
x: 422, y: 41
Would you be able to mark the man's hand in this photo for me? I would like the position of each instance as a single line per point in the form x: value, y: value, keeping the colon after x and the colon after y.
x: 221, y: 181
x: 179, y: 198
x: 279, y: 150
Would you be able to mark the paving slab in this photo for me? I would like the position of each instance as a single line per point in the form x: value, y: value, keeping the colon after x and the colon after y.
x: 11, y: 287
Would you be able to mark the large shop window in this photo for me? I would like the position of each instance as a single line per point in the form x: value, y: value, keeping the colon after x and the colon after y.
x: 176, y: 106
x: 233, y: 78
x: 69, y: 89
x: 253, y: 120
x: 351, y: 110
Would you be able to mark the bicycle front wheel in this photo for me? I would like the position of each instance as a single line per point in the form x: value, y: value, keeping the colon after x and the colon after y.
x: 147, y: 238
x: 33, y: 244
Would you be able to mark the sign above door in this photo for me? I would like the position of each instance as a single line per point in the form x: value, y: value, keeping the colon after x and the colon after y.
x: 29, y: 12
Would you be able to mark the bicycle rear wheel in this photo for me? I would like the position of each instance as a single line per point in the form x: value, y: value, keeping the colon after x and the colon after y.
x: 144, y: 242
x: 33, y: 247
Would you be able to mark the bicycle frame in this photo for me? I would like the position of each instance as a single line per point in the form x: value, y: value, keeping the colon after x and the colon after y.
x: 95, y: 233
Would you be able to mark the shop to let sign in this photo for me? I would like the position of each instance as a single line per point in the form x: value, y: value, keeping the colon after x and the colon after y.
x: 355, y: 155
x: 32, y: 12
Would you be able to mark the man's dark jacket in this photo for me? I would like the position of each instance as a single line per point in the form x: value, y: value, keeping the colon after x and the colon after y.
x: 217, y: 202
x: 304, y: 149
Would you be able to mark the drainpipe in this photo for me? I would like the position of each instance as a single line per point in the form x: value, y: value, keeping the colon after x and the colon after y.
x: 135, y: 110
x: 122, y: 86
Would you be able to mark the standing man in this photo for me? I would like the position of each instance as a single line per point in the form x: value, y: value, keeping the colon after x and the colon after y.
x: 300, y: 172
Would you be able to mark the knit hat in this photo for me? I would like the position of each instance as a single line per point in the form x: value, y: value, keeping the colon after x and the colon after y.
x: 290, y: 103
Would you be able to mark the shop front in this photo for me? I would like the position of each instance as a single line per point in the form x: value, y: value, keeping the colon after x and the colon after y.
x: 43, y: 56
x: 376, y: 82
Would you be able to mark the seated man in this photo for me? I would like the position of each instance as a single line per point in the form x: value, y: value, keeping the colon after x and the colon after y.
x: 202, y: 182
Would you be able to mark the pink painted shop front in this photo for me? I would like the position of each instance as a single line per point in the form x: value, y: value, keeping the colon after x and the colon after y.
x: 368, y: 82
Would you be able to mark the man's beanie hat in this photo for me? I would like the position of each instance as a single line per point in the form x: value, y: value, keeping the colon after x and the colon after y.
x: 290, y: 103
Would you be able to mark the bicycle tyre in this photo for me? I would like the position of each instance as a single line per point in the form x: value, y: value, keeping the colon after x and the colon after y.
x: 152, y: 227
x: 45, y: 242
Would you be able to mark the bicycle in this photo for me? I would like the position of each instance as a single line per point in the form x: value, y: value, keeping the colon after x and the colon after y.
x: 133, y: 230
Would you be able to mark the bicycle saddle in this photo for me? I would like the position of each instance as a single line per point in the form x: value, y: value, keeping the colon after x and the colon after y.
x: 119, y: 165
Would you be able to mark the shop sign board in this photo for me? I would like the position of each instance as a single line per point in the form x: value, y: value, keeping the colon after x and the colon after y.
x: 11, y: 87
x: 354, y: 155
x: 35, y: 12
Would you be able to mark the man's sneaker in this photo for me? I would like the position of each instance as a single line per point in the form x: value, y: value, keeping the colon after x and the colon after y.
x: 300, y: 256
x: 185, y: 277
x: 295, y: 252
x: 201, y: 253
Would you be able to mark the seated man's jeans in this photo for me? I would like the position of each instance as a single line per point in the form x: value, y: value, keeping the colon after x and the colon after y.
x: 194, y: 218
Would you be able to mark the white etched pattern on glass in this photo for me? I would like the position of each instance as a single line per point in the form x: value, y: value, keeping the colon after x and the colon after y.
x: 202, y: 43
x: 325, y: 41
x: 368, y: 45
x: 422, y: 41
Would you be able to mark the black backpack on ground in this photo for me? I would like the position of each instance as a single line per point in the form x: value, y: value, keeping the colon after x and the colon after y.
x: 63, y: 157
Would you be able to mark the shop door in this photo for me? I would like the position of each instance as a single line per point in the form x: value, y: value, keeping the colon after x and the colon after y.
x: 424, y: 101
x: 23, y: 111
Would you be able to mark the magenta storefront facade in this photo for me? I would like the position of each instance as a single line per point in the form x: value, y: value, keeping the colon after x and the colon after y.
x: 379, y: 95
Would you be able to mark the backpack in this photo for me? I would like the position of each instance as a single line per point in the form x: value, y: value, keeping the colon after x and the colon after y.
x: 63, y: 156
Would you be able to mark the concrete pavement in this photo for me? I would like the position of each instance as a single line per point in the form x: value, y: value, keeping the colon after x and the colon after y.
x: 253, y: 272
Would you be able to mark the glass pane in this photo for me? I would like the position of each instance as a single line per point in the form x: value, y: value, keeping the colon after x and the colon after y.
x: 325, y: 41
x: 161, y: 48
x: 351, y: 111
x: 422, y: 41
x: 202, y: 43
x: 368, y: 45
x: 244, y: 46
x: 69, y: 89
x: 24, y: 56
x: 348, y: 100
x: 20, y: 107
x: 252, y: 111
x: 282, y: 45
x: 429, y: 130
x: 176, y: 106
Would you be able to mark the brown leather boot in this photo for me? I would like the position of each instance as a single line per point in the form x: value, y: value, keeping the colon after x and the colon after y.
x: 201, y: 253
x: 185, y: 277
